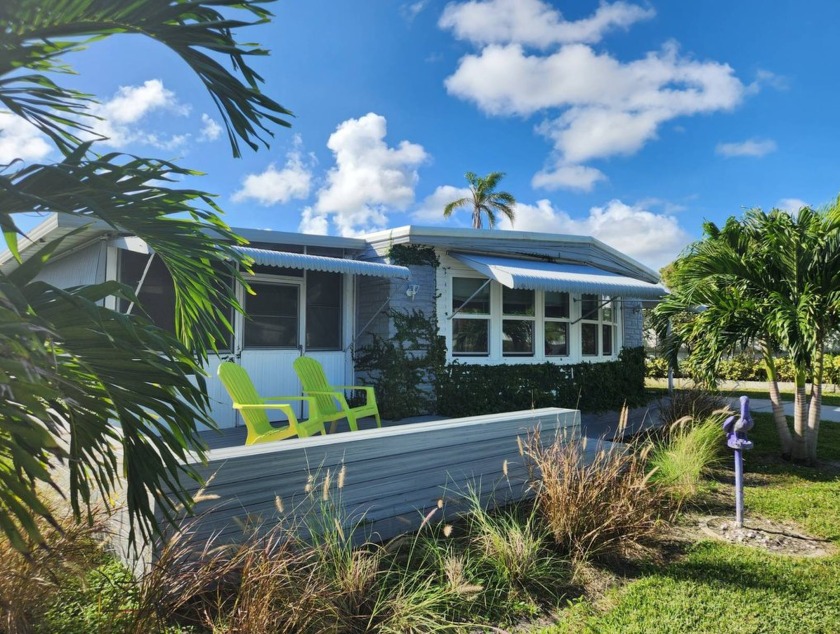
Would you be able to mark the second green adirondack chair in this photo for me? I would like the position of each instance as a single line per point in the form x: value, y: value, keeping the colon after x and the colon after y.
x: 254, y: 408
x: 332, y: 404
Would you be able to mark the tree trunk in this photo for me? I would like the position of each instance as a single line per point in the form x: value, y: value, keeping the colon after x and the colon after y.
x: 782, y: 429
x: 799, y: 451
x: 476, y: 217
x: 815, y: 409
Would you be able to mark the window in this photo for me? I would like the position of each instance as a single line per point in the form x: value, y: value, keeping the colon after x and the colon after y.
x: 471, y: 323
x: 518, y: 322
x: 157, y: 295
x: 589, y: 331
x: 609, y: 327
x: 556, y: 324
x: 272, y: 316
x: 323, y: 310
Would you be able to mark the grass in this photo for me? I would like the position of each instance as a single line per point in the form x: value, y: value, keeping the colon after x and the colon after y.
x: 730, y: 589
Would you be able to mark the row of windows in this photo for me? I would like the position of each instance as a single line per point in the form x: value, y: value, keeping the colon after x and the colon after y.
x: 275, y: 312
x: 522, y: 313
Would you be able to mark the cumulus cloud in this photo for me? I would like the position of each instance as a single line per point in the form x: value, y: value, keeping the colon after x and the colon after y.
x: 568, y: 176
x: 369, y: 177
x: 276, y: 186
x: 791, y: 205
x: 122, y: 114
x: 751, y: 147
x: 20, y: 140
x: 594, y: 105
x: 535, y: 23
x: 430, y: 209
x: 210, y: 130
x: 313, y: 223
x: 654, y: 239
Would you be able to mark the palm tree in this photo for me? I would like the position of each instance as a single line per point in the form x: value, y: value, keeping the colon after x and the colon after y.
x: 484, y: 200
x: 69, y: 366
x: 770, y: 280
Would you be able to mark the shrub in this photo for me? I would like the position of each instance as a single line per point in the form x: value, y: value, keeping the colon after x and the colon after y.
x: 595, y: 500
x: 656, y: 367
x: 468, y: 390
x: 69, y: 551
x: 690, y: 449
x: 696, y: 404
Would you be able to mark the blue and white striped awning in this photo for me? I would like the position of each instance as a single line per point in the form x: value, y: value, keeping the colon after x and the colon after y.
x: 265, y: 257
x: 549, y: 276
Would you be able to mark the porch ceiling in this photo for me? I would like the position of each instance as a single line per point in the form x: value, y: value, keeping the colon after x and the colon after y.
x: 550, y: 276
x: 265, y: 257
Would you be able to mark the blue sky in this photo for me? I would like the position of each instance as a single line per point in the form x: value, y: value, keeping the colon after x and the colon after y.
x: 630, y: 121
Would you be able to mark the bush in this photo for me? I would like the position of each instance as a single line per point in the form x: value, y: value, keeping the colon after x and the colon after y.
x: 469, y: 390
x: 679, y: 463
x: 595, y: 500
x: 70, y: 550
x: 657, y: 367
x: 696, y: 404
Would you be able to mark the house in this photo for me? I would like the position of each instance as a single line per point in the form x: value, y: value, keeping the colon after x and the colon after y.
x: 498, y: 297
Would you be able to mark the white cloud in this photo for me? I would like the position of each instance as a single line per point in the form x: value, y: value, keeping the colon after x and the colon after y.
x: 579, y: 177
x: 751, y: 147
x: 791, y: 205
x: 122, y: 114
x: 210, y: 130
x: 595, y: 105
x: 20, y: 140
x: 369, y: 177
x: 313, y: 223
x: 654, y: 239
x: 276, y: 186
x: 430, y: 209
x: 535, y: 23
x: 411, y: 10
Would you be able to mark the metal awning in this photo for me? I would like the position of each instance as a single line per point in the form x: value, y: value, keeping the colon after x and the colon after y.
x: 265, y: 257
x: 549, y: 276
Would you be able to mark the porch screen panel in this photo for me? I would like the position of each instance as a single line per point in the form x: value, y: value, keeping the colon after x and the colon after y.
x: 323, y: 310
x: 272, y: 316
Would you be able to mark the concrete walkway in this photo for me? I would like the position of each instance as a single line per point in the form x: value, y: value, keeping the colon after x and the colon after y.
x: 830, y: 413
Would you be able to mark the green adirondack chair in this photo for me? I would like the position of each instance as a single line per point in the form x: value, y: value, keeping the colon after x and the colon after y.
x: 332, y: 404
x: 255, y: 409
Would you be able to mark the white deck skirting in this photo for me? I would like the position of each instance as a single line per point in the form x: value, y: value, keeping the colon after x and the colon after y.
x: 393, y: 478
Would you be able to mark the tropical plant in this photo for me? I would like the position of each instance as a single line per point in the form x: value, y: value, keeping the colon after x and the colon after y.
x: 70, y: 366
x: 769, y: 281
x: 484, y: 200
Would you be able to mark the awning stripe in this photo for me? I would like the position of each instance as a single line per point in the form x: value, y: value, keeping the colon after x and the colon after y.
x: 265, y: 257
x: 549, y: 276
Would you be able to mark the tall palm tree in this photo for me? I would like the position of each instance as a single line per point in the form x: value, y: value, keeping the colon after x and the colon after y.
x: 70, y: 367
x: 769, y: 280
x: 484, y: 199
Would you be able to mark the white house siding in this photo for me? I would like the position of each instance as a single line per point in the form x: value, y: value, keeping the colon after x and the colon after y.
x: 85, y: 266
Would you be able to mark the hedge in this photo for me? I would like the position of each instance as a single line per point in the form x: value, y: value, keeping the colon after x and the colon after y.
x: 744, y: 368
x: 470, y: 390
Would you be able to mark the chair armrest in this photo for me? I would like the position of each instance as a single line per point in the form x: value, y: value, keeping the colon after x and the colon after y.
x: 370, y: 396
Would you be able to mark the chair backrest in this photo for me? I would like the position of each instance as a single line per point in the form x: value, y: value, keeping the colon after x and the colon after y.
x: 242, y: 391
x: 312, y: 378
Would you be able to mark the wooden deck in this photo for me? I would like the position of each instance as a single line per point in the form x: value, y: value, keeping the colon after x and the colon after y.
x: 393, y: 477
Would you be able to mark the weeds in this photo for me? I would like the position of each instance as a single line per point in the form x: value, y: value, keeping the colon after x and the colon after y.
x: 690, y: 450
x: 595, y: 500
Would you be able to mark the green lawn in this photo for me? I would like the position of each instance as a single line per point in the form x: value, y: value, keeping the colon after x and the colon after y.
x: 722, y: 588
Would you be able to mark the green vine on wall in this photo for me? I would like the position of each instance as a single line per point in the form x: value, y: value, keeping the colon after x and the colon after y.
x: 407, y: 254
x: 403, y: 369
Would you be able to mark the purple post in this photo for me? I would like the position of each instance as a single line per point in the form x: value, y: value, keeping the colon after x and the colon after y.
x: 736, y: 428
